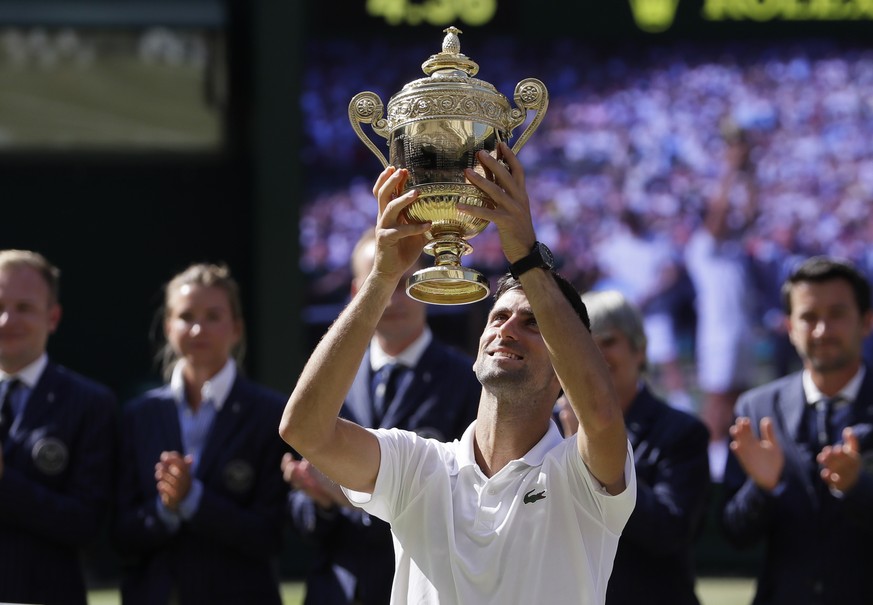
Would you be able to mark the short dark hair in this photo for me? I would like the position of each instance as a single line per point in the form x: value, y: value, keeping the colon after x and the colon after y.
x: 820, y: 269
x: 507, y: 283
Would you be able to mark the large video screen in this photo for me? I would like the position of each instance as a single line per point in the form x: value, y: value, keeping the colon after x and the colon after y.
x: 130, y: 89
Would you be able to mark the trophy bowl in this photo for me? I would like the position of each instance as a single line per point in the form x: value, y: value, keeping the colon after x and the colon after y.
x: 434, y: 128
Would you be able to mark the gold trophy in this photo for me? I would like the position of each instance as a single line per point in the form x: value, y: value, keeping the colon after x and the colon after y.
x: 434, y: 128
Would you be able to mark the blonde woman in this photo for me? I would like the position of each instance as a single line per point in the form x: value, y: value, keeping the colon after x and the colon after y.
x: 200, y: 493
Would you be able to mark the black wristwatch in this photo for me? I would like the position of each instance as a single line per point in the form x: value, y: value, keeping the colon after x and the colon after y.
x: 540, y: 257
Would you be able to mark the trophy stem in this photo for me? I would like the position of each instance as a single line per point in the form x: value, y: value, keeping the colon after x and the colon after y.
x: 446, y: 258
x: 447, y: 249
x: 447, y: 282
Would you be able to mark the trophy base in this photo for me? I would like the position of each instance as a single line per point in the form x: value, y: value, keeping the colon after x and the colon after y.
x: 444, y: 285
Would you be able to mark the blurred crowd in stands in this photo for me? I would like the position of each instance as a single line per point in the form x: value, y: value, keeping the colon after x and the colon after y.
x: 635, y: 144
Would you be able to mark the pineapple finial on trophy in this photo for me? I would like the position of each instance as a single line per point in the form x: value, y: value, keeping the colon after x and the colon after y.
x: 451, y: 43
x: 450, y: 59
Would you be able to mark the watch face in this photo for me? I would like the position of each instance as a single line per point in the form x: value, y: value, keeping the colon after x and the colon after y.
x: 540, y: 256
x: 548, y: 257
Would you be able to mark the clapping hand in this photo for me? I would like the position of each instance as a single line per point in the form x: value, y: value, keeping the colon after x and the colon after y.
x: 841, y: 463
x: 762, y: 459
x: 173, y: 477
x: 302, y: 475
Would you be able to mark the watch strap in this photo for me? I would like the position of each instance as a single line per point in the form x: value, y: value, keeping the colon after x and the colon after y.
x: 532, y: 261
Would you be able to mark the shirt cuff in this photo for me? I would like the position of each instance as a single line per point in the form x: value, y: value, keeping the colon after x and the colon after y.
x: 170, y: 518
x: 191, y: 504
x: 779, y: 489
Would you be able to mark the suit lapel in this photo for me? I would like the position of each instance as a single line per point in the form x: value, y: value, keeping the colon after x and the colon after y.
x: 358, y: 404
x: 42, y: 397
x: 168, y: 421
x: 413, y: 389
x: 790, y: 405
x: 408, y: 393
x: 639, y: 419
x: 862, y: 407
x: 222, y: 430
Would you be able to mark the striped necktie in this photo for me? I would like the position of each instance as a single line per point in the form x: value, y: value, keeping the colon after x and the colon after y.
x: 824, y: 409
x: 384, y: 387
x: 7, y: 414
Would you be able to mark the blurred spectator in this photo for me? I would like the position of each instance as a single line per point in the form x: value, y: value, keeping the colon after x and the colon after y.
x: 863, y: 258
x: 799, y: 477
x: 646, y: 269
x: 670, y: 455
x: 58, y: 440
x: 773, y: 259
x: 432, y: 390
x: 201, y: 496
x: 718, y: 264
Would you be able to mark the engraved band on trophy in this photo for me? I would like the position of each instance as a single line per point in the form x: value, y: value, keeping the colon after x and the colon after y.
x: 434, y: 128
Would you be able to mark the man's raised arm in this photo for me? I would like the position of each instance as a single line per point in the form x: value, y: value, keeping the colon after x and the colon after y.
x: 585, y: 378
x: 578, y: 363
x: 342, y: 450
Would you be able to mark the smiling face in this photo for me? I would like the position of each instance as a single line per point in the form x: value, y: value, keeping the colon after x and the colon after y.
x: 512, y: 359
x: 826, y: 326
x: 27, y: 316
x: 200, y: 326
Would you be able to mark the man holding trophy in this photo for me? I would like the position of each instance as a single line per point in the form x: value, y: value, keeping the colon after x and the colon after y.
x: 501, y: 515
x: 511, y: 512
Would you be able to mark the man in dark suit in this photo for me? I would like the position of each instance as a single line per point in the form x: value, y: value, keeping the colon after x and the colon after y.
x: 654, y: 561
x: 58, y: 441
x: 433, y: 391
x: 799, y: 476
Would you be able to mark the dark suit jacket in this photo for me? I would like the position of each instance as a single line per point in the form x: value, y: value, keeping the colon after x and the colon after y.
x: 819, y: 548
x: 226, y: 553
x: 354, y: 552
x: 56, y: 487
x: 653, y: 563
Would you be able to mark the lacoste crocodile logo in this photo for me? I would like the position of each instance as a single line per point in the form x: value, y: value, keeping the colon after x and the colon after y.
x: 532, y: 497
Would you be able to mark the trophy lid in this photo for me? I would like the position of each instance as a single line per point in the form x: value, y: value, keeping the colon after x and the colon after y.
x: 450, y: 58
x: 450, y: 92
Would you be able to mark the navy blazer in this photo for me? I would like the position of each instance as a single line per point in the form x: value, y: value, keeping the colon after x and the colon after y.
x: 56, y: 487
x: 226, y: 553
x: 654, y: 563
x: 353, y: 552
x: 819, y: 547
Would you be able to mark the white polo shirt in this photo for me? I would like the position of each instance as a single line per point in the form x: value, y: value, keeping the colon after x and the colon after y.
x: 542, y: 530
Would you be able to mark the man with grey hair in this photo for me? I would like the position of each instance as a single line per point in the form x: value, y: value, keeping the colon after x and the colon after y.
x: 670, y: 455
x: 58, y: 441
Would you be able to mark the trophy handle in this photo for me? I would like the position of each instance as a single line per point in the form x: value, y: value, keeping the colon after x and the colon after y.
x: 530, y: 93
x: 367, y: 107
